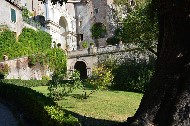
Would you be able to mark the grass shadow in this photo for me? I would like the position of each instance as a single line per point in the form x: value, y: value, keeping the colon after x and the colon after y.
x: 89, y: 121
x: 77, y: 96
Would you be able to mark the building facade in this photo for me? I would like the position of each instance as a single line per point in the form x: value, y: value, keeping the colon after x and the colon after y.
x: 91, y: 12
x: 57, y: 20
x: 69, y: 24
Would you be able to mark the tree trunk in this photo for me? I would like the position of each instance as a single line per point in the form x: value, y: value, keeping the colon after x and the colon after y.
x: 167, y: 100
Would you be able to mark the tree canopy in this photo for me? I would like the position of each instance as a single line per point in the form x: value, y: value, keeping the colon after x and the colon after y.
x: 139, y: 29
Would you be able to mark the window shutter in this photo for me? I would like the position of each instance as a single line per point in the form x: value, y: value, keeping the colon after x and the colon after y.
x: 13, y: 15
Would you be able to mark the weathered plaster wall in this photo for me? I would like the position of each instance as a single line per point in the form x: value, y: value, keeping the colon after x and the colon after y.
x: 54, y: 14
x: 92, y: 12
x: 85, y: 18
x: 19, y: 69
x: 5, y: 17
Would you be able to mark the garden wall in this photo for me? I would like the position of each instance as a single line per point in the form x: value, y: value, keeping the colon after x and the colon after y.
x: 19, y: 69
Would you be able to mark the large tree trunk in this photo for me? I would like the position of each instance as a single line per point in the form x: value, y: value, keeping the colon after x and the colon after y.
x: 167, y: 100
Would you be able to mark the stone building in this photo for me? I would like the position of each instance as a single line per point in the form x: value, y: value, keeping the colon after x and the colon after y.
x: 57, y: 20
x: 90, y: 12
x: 69, y: 24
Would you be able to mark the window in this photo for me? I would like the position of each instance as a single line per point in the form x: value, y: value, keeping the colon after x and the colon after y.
x: 13, y: 15
x: 81, y: 37
x: 80, y: 23
x: 96, y: 10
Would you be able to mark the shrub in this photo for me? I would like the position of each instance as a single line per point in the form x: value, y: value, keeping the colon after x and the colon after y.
x: 85, y: 44
x: 61, y: 118
x: 4, y: 69
x: 26, y: 83
x: 56, y: 60
x: 101, y: 77
x: 59, y: 88
x: 36, y: 106
x: 133, y: 76
x: 98, y: 30
x: 112, y: 40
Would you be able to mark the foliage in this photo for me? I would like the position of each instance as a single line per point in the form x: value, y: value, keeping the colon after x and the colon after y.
x: 112, y: 40
x: 39, y: 43
x: 58, y: 45
x: 59, y: 88
x: 128, y: 3
x: 25, y: 12
x: 56, y: 1
x: 26, y: 83
x: 85, y: 44
x: 101, y: 77
x: 34, y: 41
x: 39, y: 58
x: 58, y: 115
x: 98, y: 30
x: 56, y: 59
x: 35, y: 106
x: 138, y: 29
x: 34, y: 44
x: 91, y: 43
x: 43, y: 40
x: 46, y: 78
x: 133, y: 75
x: 8, y: 45
x: 4, y: 69
x: 29, y: 42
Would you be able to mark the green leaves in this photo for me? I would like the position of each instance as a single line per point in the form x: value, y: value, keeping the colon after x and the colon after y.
x: 35, y: 40
x: 133, y: 76
x: 98, y: 30
x: 34, y: 44
x: 7, y: 44
x: 59, y: 88
x: 139, y: 29
x: 56, y: 60
x: 101, y: 77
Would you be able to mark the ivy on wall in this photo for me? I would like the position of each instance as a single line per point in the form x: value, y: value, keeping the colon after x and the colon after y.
x: 7, y: 41
x: 34, y: 44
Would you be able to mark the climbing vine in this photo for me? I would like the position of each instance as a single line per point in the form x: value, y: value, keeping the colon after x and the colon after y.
x: 8, y: 45
x: 25, y: 12
x: 34, y: 44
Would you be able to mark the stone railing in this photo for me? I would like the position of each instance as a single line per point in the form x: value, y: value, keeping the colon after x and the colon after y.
x: 97, y: 51
x: 33, y: 23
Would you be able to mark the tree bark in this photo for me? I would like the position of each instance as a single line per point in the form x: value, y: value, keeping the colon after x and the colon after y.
x: 167, y: 100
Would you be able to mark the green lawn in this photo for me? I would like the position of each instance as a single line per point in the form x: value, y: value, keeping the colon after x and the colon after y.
x: 108, y: 105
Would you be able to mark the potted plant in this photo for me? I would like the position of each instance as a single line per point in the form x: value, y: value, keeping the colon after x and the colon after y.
x: 59, y: 45
x: 84, y: 44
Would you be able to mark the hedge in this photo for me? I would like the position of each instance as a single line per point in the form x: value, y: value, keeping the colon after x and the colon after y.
x: 41, y: 109
x: 26, y: 83
x: 32, y: 83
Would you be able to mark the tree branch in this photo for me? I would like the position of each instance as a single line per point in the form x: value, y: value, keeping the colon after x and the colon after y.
x: 152, y: 51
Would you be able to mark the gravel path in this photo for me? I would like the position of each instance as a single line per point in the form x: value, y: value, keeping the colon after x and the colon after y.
x: 6, y: 117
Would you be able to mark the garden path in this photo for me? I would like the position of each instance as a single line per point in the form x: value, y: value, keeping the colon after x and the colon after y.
x: 6, y: 117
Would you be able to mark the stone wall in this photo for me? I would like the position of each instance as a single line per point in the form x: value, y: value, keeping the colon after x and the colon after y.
x: 19, y: 69
x: 95, y: 11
